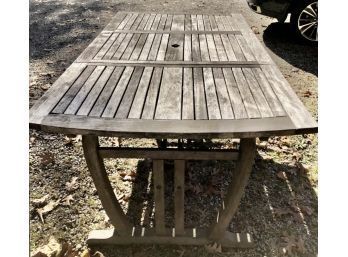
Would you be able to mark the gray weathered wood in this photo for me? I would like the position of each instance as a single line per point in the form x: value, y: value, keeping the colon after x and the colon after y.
x: 192, y: 236
x: 105, y: 95
x: 235, y: 189
x: 128, y: 96
x: 140, y: 96
x: 222, y: 93
x: 116, y: 96
x: 257, y: 93
x: 73, y: 90
x: 89, y: 101
x: 169, y: 98
x: 195, y: 129
x: 179, y: 193
x: 168, y: 154
x: 187, y: 95
x: 82, y: 94
x: 201, y: 112
x: 205, y: 87
x: 210, y: 93
x: 245, y: 93
x: 235, y: 97
x: 151, y: 99
x: 106, y: 194
x: 158, y: 184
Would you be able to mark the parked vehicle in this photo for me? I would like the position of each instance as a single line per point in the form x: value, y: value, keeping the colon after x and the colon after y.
x: 304, y: 15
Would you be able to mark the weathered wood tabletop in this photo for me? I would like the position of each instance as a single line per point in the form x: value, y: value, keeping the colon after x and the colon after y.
x: 163, y: 75
x: 172, y: 76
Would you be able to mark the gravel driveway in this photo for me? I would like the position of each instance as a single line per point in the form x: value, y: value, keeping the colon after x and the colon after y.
x: 280, y: 204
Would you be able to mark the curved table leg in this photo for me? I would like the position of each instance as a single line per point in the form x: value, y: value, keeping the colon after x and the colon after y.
x: 107, y: 197
x: 236, y: 188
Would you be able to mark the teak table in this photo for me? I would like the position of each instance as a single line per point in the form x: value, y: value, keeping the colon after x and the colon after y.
x: 178, y: 76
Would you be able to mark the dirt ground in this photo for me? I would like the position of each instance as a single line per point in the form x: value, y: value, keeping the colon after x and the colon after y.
x: 279, y: 207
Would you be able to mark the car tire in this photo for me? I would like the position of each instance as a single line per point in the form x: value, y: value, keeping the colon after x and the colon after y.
x: 304, y: 21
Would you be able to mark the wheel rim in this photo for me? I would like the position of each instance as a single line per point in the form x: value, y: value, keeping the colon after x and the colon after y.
x: 308, y: 22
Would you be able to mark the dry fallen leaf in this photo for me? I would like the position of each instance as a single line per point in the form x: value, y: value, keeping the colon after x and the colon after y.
x: 213, y: 248
x: 46, y: 86
x: 47, y: 208
x: 68, y: 199
x: 72, y: 185
x: 291, y: 245
x: 87, y: 253
x: 47, y: 158
x: 128, y: 178
x: 281, y: 175
x: 282, y: 211
x: 55, y: 249
x: 255, y: 30
x: 307, y: 210
x: 41, y: 201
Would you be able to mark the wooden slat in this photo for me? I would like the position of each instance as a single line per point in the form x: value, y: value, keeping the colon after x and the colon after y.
x: 233, y: 41
x: 195, y: 129
x: 291, y: 103
x: 128, y: 96
x: 141, y: 19
x: 45, y: 104
x: 175, y: 49
x: 202, y: 40
x: 95, y: 91
x: 179, y: 193
x: 196, y: 52
x: 235, y: 97
x: 150, y: 39
x: 272, y: 99
x: 225, y: 40
x: 131, y: 21
x: 151, y: 99
x: 257, y: 93
x: 103, y: 51
x: 158, y: 184
x: 104, y: 96
x: 201, y: 112
x: 161, y: 63
x: 210, y: 93
x: 140, y: 96
x: 81, y: 95
x: 157, y: 42
x: 114, y: 47
x: 169, y: 99
x: 185, y: 32
x: 210, y: 40
x: 116, y: 97
x: 70, y: 94
x: 254, y: 44
x: 246, y: 95
x: 117, y: 20
x: 168, y: 154
x: 94, y: 47
x: 222, y: 93
x: 187, y: 95
x: 217, y: 39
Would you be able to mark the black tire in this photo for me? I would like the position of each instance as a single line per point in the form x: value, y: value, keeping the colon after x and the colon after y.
x: 305, y: 26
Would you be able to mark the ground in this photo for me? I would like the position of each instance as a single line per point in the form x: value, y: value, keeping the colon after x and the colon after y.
x: 279, y: 207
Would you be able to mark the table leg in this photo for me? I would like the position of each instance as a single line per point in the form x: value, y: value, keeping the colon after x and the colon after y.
x: 128, y: 234
x: 102, y: 183
x: 236, y: 189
